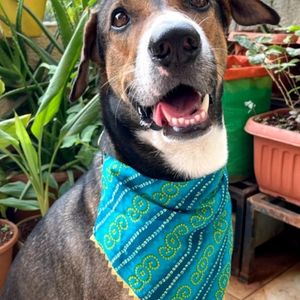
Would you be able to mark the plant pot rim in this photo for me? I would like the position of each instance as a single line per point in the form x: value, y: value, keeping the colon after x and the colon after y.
x: 273, y: 133
x: 14, y: 238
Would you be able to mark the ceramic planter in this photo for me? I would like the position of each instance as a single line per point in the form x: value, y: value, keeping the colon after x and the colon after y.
x: 6, y: 252
x: 276, y: 159
x: 29, y: 26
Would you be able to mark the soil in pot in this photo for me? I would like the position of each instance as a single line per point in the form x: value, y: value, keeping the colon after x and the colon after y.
x: 8, y: 238
x: 6, y: 233
x: 287, y: 120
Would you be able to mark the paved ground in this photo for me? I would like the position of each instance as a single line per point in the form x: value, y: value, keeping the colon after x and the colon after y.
x: 277, y: 269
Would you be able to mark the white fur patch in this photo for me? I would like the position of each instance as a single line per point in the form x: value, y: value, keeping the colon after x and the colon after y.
x: 190, y: 158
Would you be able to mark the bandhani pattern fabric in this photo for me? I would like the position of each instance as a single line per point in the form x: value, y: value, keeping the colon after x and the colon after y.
x: 165, y: 240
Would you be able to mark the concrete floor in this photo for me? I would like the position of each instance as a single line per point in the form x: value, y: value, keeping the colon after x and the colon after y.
x: 277, y: 273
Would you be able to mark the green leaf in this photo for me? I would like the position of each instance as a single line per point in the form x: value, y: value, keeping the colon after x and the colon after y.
x: 51, y: 100
x: 293, y: 52
x: 27, y: 146
x: 293, y: 28
x: 257, y: 59
x: 9, y: 126
x: 26, y: 205
x: 70, y: 141
x: 16, y: 189
x: 82, y: 119
x: 42, y: 53
x: 87, y: 133
x: 2, y: 87
x: 7, y: 140
x: 63, y: 21
x: 51, y: 180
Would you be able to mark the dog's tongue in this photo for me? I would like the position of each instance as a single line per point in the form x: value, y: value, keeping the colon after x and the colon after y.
x: 177, y: 105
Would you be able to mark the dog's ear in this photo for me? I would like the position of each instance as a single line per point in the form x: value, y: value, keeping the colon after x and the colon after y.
x: 253, y: 12
x: 89, y: 52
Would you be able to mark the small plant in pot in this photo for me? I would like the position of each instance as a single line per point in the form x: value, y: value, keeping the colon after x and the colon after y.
x: 8, y: 238
x: 277, y: 133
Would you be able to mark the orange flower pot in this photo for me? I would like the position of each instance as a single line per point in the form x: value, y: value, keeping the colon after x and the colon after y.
x: 276, y: 159
x: 6, y: 252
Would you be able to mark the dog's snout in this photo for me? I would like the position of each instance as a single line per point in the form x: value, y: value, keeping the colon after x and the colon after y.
x: 174, y: 44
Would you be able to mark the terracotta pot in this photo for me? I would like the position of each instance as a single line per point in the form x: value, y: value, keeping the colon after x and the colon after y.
x: 6, y: 252
x: 276, y: 159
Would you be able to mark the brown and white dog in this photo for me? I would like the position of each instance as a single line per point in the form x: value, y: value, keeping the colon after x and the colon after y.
x: 161, y: 68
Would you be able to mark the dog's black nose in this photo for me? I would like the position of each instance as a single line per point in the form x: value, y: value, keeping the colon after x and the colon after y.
x: 173, y: 44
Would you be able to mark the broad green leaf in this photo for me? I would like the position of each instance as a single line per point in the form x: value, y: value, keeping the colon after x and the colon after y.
x: 70, y: 141
x: 51, y: 100
x: 9, y: 126
x: 27, y: 146
x: 27, y: 205
x: 16, y: 189
x: 7, y: 140
x: 83, y: 118
x: 87, y: 133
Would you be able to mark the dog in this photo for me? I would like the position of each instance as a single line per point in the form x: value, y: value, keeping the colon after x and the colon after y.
x: 161, y: 68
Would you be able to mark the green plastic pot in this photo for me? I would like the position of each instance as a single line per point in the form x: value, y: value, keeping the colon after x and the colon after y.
x: 243, y: 83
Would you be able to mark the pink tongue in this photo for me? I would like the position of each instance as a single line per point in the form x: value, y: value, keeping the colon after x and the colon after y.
x: 181, y: 106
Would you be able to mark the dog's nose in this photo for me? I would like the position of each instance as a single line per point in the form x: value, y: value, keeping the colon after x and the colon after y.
x: 173, y: 44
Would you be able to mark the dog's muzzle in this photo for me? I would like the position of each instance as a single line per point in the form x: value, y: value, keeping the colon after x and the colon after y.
x: 178, y: 77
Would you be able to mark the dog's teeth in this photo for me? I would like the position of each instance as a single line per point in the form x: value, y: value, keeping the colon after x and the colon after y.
x: 193, y: 122
x: 187, y: 122
x: 203, y: 115
x: 197, y: 118
x: 174, y: 122
x: 181, y: 121
x: 205, y: 103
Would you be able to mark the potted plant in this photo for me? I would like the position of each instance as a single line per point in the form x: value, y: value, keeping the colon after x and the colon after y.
x: 276, y: 36
x: 277, y: 133
x: 13, y: 11
x: 35, y: 144
x: 8, y: 238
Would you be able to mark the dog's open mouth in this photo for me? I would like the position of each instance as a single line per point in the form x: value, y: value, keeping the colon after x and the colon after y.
x: 183, y: 111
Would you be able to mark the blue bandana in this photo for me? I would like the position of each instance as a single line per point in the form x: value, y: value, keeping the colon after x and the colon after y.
x: 165, y: 240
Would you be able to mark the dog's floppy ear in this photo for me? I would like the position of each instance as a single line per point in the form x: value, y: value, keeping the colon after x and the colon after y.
x: 253, y: 12
x: 89, y: 52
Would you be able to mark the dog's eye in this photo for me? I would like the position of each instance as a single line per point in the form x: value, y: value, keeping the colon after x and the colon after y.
x: 119, y: 19
x: 199, y: 4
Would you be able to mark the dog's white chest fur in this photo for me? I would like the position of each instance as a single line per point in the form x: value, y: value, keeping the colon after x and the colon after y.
x: 195, y: 158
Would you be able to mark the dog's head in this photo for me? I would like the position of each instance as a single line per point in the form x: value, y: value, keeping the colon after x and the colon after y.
x: 165, y: 60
